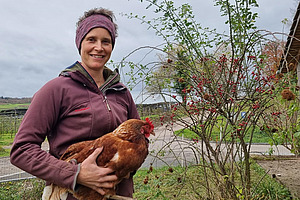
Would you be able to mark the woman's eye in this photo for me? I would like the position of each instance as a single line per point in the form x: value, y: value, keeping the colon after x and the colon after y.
x: 91, y: 39
x: 106, y: 42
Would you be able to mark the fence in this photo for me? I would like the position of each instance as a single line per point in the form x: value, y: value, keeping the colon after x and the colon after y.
x: 10, y: 120
x: 9, y: 123
x: 8, y: 172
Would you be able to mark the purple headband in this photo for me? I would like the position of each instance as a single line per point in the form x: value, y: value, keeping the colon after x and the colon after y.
x: 94, y: 21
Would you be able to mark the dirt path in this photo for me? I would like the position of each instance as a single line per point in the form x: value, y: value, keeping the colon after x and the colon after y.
x: 285, y: 170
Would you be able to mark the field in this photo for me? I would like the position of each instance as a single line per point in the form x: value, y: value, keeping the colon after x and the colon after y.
x: 13, y: 106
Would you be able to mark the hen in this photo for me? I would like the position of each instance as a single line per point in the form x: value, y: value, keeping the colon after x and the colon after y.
x: 129, y: 140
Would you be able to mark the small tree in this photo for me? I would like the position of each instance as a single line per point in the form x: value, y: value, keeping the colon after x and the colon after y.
x: 224, y: 90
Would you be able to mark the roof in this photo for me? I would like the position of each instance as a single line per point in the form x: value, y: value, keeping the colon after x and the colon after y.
x: 292, y: 47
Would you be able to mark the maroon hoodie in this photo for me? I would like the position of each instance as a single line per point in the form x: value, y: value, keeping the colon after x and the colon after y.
x: 69, y: 109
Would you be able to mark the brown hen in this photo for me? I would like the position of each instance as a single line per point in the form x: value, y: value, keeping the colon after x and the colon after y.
x: 129, y: 140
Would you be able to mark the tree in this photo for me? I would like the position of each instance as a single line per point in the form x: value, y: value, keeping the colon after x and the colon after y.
x: 273, y: 50
x: 171, y: 77
x: 217, y: 87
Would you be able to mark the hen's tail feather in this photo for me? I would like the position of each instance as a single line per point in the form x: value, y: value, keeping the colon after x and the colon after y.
x: 53, y: 192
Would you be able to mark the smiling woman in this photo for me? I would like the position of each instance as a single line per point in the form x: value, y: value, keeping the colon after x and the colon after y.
x: 85, y: 102
x: 95, y: 51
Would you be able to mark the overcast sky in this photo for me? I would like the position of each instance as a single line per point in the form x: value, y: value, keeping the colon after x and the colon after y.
x: 37, y: 36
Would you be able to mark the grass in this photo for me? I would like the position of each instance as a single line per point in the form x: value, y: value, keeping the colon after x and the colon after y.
x: 13, y: 106
x: 5, y: 140
x: 258, y: 136
x: 30, y: 189
x: 163, y: 183
x: 4, y: 152
x: 8, y: 127
x: 151, y: 117
x: 160, y: 184
x: 180, y: 183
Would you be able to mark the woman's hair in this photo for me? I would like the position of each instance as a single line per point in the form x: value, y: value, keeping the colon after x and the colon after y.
x: 99, y: 11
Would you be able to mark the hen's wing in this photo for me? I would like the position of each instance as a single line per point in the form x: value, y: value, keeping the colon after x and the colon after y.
x: 110, y: 144
x: 75, y: 150
x: 80, y: 151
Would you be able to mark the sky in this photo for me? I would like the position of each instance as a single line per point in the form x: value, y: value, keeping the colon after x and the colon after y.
x: 37, y: 36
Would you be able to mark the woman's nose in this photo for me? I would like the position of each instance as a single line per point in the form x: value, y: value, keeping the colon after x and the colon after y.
x: 98, y: 46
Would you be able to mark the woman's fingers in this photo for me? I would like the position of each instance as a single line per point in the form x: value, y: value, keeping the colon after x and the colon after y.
x: 100, y: 187
x: 96, y: 177
x: 106, y: 171
x: 95, y: 154
x: 109, y: 178
x: 99, y: 190
x: 107, y: 185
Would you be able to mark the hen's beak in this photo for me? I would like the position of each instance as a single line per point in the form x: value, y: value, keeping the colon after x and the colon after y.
x: 152, y: 132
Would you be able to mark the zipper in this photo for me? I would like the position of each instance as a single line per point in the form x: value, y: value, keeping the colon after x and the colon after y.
x: 107, y: 104
x: 103, y: 89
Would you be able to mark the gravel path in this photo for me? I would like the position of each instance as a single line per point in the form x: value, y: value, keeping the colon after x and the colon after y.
x: 176, y: 150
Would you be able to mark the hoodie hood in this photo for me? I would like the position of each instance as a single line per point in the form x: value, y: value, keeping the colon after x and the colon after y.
x: 79, y: 74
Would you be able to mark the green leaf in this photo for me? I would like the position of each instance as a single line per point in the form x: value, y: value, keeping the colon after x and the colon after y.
x: 297, y: 135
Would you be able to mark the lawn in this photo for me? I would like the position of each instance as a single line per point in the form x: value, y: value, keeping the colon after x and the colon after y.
x: 159, y: 184
x: 5, y: 140
x: 187, y: 183
x: 30, y: 189
x: 13, y: 106
x: 258, y: 135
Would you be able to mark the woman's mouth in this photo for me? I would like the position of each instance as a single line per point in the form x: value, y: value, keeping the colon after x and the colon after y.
x: 98, y: 56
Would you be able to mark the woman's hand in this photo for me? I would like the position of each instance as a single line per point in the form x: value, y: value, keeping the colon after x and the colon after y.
x: 93, y: 176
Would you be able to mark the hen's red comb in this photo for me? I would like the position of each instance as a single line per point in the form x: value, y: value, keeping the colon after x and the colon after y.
x: 150, y: 123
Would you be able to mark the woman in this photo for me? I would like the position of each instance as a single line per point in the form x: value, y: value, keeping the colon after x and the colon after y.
x: 85, y: 102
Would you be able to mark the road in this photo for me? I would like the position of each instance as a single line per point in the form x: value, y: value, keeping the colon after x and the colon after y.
x: 178, y: 151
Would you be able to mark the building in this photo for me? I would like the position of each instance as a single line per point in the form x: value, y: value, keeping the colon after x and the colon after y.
x: 291, y: 57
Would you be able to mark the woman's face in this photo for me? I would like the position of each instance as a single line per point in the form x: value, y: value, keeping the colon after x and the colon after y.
x: 96, y: 48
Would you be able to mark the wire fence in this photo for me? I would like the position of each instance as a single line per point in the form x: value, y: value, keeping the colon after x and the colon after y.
x: 9, y: 172
x: 9, y: 124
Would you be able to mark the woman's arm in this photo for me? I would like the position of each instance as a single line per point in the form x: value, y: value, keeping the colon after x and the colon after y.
x: 26, y: 152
